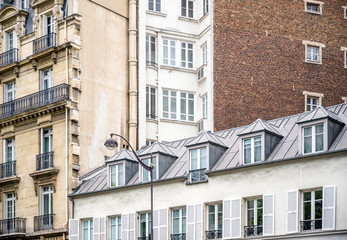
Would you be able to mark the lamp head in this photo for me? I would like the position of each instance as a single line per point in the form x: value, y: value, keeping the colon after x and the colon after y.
x: 111, y: 143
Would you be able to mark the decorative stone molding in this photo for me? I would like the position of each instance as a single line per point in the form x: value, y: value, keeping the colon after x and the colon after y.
x: 54, y: 57
x: 16, y: 71
x: 9, y: 184
x: 34, y: 64
x: 44, y: 177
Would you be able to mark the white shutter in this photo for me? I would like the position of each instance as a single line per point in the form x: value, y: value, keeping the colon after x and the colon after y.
x: 7, y: 38
x: 268, y: 215
x: 44, y: 25
x: 73, y: 229
x: 14, y: 39
x: 155, y: 221
x: 125, y: 227
x: 4, y: 150
x: 191, y: 222
x: 226, y: 219
x: 329, y: 208
x: 163, y: 224
x: 5, y: 92
x: 198, y: 222
x: 41, y: 143
x: 96, y: 228
x: 103, y: 228
x: 236, y: 218
x: 131, y: 233
x: 292, y: 212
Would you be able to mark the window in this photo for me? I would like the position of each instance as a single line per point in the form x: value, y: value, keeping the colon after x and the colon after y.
x: 205, y: 7
x: 146, y: 174
x: 154, y: 5
x: 116, y: 228
x: 46, y: 207
x: 254, y: 217
x: 214, y: 221
x: 11, y: 40
x: 46, y: 79
x: 204, y: 54
x: 22, y: 4
x: 10, y: 207
x: 204, y: 106
x: 9, y: 91
x: 169, y: 52
x: 313, y: 51
x: 151, y: 93
x: 87, y: 230
x: 150, y: 142
x: 252, y: 150
x: 185, y: 108
x: 187, y: 8
x: 46, y: 140
x: 312, y: 6
x: 179, y: 222
x: 145, y: 225
x: 312, y: 210
x: 198, y: 159
x: 48, y: 25
x: 344, y: 49
x: 344, y: 12
x: 116, y: 175
x: 312, y: 100
x: 186, y: 55
x: 9, y: 157
x: 313, y: 138
x: 150, y: 50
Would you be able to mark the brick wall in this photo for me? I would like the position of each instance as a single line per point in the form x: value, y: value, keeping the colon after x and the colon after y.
x: 259, y: 67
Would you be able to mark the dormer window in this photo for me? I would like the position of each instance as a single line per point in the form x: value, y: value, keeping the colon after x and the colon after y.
x: 145, y: 174
x: 116, y: 175
x: 198, y: 159
x: 252, y: 150
x: 313, y: 138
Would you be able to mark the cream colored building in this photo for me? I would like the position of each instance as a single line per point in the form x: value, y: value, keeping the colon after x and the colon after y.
x: 66, y: 80
x: 279, y: 179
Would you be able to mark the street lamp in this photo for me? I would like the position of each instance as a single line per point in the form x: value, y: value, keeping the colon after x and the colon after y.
x: 111, y: 144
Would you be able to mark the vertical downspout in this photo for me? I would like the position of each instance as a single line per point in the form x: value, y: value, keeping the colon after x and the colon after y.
x: 211, y: 109
x: 133, y: 74
x: 66, y: 130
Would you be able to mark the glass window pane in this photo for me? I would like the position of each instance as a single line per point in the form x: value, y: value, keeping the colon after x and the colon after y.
x: 307, y: 144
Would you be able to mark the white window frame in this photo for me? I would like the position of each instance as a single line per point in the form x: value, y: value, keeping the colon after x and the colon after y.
x: 46, y: 75
x: 48, y: 192
x: 252, y: 138
x: 320, y: 5
x: 10, y: 40
x: 205, y: 7
x: 149, y: 142
x: 147, y: 223
x: 313, y: 136
x: 154, y: 2
x: 180, y: 219
x: 148, y: 161
x: 177, y: 114
x: 149, y: 46
x: 198, y: 158
x: 344, y: 99
x: 186, y: 49
x: 344, y: 49
x: 8, y: 199
x: 9, y: 143
x: 185, y: 13
x: 9, y: 87
x: 204, y: 106
x: 255, y: 210
x: 216, y: 212
x: 116, y: 173
x: 171, y: 50
x: 309, y: 44
x: 150, y: 102
x: 116, y: 225
x: 90, y: 229
x: 312, y: 95
x: 204, y: 54
x: 46, y: 133
x: 312, y: 203
x: 48, y: 21
x: 344, y: 12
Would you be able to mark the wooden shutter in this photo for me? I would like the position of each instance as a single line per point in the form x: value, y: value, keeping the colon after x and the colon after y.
x: 125, y: 227
x: 329, y: 208
x: 191, y: 222
x: 73, y: 229
x: 131, y: 232
x: 268, y: 215
x: 96, y: 228
x: 103, y: 228
x: 198, y: 222
x: 5, y: 92
x: 160, y: 224
x: 292, y: 212
x: 227, y: 219
x: 44, y: 25
x: 155, y: 221
x: 236, y: 218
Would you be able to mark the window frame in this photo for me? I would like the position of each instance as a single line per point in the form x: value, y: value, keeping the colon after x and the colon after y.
x: 90, y: 229
x: 149, y: 46
x: 116, y: 174
x: 312, y: 95
x: 255, y: 215
x: 9, y: 142
x: 178, y: 101
x: 11, y: 199
x: 144, y: 172
x: 186, y: 48
x: 308, y: 124
x: 312, y: 201
x: 7, y: 90
x: 216, y: 213
x: 204, y: 106
x: 204, y: 54
x: 180, y: 219
x: 48, y: 78
x: 344, y: 49
x: 318, y: 3
x: 313, y: 138
x: 205, y: 7
x: 118, y: 223
x: 148, y: 220
x: 198, y: 149
x: 150, y: 103
x: 43, y: 136
x: 171, y: 50
x: 48, y: 192
x: 155, y: 2
x: 262, y: 149
x: 186, y: 13
x: 344, y: 12
x: 317, y: 45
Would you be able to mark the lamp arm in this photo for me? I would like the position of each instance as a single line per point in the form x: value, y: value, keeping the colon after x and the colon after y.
x: 148, y: 168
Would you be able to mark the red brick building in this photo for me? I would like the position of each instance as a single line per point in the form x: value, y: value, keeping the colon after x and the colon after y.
x: 275, y: 58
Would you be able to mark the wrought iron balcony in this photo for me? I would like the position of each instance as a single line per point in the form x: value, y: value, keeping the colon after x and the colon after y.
x: 33, y: 101
x: 44, y: 43
x: 12, y: 225
x: 153, y: 64
x: 145, y: 238
x: 178, y: 236
x: 311, y: 224
x: 8, y: 169
x: 214, y: 234
x: 43, y: 222
x: 197, y: 176
x: 44, y: 161
x: 9, y: 57
x: 253, y: 230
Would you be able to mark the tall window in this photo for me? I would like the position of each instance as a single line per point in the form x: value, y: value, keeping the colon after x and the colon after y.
x: 145, y: 225
x: 46, y: 78
x: 252, y: 150
x: 169, y: 52
x: 312, y: 210
x: 87, y: 230
x: 9, y: 91
x: 11, y: 40
x: 205, y: 7
x: 116, y: 228
x: 10, y: 206
x: 215, y: 221
x: 198, y: 159
x: 9, y: 157
x: 312, y: 103
x: 48, y: 24
x: 312, y: 53
x: 46, y: 206
x: 254, y: 217
x: 204, y: 106
x: 179, y: 223
x: 150, y: 50
x: 169, y: 104
x: 186, y: 55
x: 146, y: 174
x: 46, y: 140
x: 204, y: 54
x: 23, y: 4
x: 151, y: 93
x: 154, y: 5
x: 313, y: 138
x: 116, y: 175
x: 185, y: 106
x: 187, y: 8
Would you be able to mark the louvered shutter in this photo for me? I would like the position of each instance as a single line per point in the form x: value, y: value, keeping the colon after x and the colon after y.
x: 125, y: 227
x: 328, y: 208
x: 103, y: 228
x: 292, y: 212
x: 131, y: 233
x: 73, y: 229
x: 191, y: 222
x: 198, y: 222
x: 268, y: 215
x: 163, y: 224
x: 44, y: 25
x: 155, y: 220
x: 236, y: 218
x: 226, y: 219
x: 96, y: 228
x: 14, y: 39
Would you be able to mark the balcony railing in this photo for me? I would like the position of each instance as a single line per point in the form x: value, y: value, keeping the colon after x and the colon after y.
x: 153, y: 64
x: 8, y: 169
x: 44, y: 43
x: 311, y: 224
x: 43, y: 222
x: 12, y: 225
x: 214, y: 234
x: 36, y: 100
x: 253, y: 230
x: 44, y: 161
x: 197, y: 176
x: 178, y: 236
x: 9, y: 57
x: 145, y: 238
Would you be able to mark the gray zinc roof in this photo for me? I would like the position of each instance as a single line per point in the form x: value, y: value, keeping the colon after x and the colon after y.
x: 260, y: 125
x: 319, y: 113
x: 206, y: 137
x: 123, y: 154
x: 158, y: 148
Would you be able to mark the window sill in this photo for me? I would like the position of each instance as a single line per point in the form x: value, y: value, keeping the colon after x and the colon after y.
x: 188, y: 19
x: 203, y: 17
x: 151, y: 120
x: 312, y: 12
x: 155, y: 13
x: 318, y: 63
x: 152, y: 67
x: 178, y: 69
x: 177, y: 121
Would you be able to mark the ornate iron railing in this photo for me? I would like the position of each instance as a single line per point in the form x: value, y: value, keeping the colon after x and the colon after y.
x: 35, y: 100
x: 43, y: 222
x: 196, y: 176
x: 214, y: 234
x: 178, y: 236
x: 9, y: 57
x: 44, y: 43
x: 253, y: 230
x: 145, y: 238
x: 153, y: 64
x: 12, y: 225
x: 44, y: 161
x: 311, y: 224
x: 8, y: 169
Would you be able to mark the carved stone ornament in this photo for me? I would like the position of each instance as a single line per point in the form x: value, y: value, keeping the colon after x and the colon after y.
x: 34, y: 64
x: 36, y: 21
